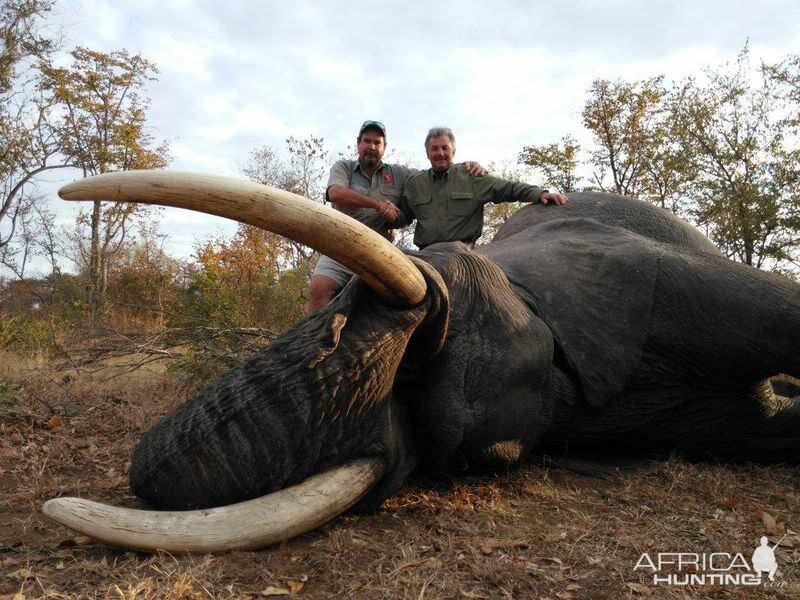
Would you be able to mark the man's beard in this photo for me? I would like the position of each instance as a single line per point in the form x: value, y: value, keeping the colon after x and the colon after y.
x: 370, y: 161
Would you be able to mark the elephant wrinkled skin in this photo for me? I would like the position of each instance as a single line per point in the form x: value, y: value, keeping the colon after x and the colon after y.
x: 607, y: 324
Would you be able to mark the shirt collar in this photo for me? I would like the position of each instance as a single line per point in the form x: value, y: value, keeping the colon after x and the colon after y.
x: 358, y: 167
x: 442, y: 174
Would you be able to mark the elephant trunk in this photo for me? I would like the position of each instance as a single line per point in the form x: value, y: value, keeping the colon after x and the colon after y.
x: 327, y: 384
x: 313, y: 398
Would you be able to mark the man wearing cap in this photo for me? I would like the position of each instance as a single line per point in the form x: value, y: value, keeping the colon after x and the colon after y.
x: 368, y: 190
x: 447, y: 201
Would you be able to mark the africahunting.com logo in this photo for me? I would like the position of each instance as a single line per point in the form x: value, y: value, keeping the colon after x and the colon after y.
x: 713, y: 568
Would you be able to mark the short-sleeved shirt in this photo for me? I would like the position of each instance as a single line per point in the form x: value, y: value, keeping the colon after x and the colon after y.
x: 448, y: 206
x: 386, y: 183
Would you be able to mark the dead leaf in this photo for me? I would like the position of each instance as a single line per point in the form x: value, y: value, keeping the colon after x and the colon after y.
x: 468, y: 594
x: 772, y: 526
x: 639, y: 589
x: 568, y: 595
x: 54, y: 423
x: 271, y: 590
x: 23, y: 573
x: 490, y: 545
x: 295, y: 586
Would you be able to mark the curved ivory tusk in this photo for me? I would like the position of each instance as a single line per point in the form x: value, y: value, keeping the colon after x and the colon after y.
x: 382, y: 265
x: 244, y: 526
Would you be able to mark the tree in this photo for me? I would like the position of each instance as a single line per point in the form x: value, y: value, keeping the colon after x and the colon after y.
x: 28, y: 144
x: 666, y: 169
x: 495, y: 215
x: 622, y: 117
x: 143, y: 276
x: 302, y: 173
x: 308, y: 159
x: 786, y: 75
x: 557, y: 162
x: 747, y: 183
x: 103, y: 129
x: 21, y: 37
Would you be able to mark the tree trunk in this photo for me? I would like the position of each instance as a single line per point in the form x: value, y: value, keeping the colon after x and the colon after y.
x: 95, y: 294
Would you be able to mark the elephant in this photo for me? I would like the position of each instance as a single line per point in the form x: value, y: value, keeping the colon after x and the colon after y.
x: 606, y: 325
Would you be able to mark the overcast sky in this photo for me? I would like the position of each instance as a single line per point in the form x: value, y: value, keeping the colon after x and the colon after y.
x: 238, y: 74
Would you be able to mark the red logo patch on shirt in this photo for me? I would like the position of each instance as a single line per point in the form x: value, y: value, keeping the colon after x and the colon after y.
x: 387, y: 178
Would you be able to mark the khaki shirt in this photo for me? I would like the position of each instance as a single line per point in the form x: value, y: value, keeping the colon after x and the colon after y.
x: 386, y: 183
x: 448, y: 206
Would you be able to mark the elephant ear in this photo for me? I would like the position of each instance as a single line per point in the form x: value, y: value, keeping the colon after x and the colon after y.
x: 592, y: 284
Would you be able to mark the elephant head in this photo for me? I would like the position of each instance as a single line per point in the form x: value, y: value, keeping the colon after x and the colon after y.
x: 587, y: 324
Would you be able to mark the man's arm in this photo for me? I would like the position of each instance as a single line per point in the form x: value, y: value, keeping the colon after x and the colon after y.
x: 339, y: 193
x: 494, y: 189
x: 344, y: 196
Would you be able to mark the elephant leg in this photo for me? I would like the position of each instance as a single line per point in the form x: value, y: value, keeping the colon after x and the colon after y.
x: 777, y: 439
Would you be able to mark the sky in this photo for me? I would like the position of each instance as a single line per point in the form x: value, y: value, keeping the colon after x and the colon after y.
x: 235, y: 75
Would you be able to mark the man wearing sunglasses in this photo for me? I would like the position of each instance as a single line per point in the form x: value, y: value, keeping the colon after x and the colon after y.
x: 368, y: 190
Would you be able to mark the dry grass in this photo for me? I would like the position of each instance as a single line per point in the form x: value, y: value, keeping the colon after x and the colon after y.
x: 533, y: 533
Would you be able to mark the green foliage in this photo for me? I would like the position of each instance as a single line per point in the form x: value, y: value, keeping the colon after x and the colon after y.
x: 30, y: 335
x: 19, y: 36
x: 747, y: 179
x: 557, y: 162
x: 720, y: 149
x: 104, y: 113
x: 201, y: 365
x: 9, y: 395
x: 237, y: 294
x: 205, y: 302
x: 281, y: 304
x: 624, y: 117
x: 495, y: 215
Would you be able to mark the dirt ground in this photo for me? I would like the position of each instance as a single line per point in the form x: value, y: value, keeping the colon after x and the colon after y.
x: 536, y: 532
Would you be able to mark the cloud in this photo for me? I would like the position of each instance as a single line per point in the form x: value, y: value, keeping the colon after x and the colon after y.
x: 236, y: 75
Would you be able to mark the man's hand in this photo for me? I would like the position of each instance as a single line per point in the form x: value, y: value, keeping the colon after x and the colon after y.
x: 388, y: 211
x: 475, y: 168
x: 559, y: 199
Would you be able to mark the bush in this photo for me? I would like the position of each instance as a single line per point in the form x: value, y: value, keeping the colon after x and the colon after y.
x: 9, y: 396
x: 26, y: 334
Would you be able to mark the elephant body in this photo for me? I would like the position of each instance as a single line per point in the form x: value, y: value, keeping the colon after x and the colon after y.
x: 606, y: 324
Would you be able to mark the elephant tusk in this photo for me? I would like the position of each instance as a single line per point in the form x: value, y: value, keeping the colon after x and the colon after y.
x: 379, y: 263
x: 243, y: 526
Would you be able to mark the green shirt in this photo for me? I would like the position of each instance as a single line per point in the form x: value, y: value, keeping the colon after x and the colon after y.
x: 448, y: 206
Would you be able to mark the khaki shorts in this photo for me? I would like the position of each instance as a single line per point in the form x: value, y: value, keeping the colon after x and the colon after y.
x: 330, y: 268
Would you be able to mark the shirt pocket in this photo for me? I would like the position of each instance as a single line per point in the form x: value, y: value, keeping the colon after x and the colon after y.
x: 423, y: 207
x: 461, y: 204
